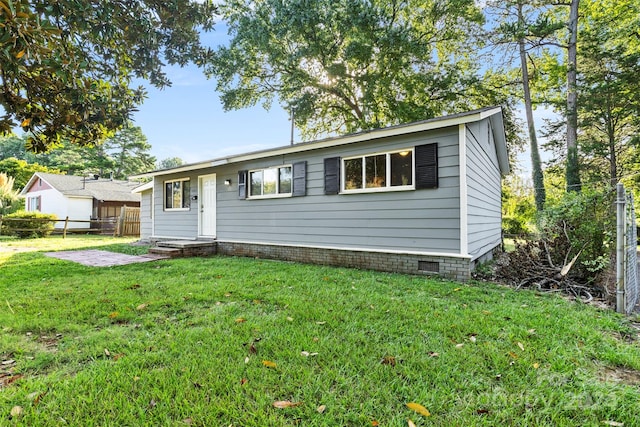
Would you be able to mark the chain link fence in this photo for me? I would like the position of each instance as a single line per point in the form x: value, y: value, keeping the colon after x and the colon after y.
x: 630, y: 256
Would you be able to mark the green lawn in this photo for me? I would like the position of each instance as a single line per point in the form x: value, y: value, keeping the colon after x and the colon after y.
x: 217, y: 341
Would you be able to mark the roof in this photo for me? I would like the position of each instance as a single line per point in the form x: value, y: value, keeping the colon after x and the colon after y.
x: 492, y: 113
x: 83, y: 187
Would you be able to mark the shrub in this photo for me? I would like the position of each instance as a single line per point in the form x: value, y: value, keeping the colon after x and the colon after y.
x: 28, y: 224
x: 584, y: 222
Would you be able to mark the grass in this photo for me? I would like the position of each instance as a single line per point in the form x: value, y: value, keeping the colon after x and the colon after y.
x: 216, y: 341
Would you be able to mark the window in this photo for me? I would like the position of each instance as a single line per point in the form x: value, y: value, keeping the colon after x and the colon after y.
x: 382, y: 171
x: 33, y: 204
x: 177, y: 194
x: 271, y: 182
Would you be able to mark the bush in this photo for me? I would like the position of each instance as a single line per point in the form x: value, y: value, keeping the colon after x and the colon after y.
x: 584, y: 222
x: 28, y: 224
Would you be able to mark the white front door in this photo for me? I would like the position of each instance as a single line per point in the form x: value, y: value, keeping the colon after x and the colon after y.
x: 207, y: 205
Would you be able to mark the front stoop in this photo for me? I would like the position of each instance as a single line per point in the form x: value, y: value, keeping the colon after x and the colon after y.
x: 184, y: 248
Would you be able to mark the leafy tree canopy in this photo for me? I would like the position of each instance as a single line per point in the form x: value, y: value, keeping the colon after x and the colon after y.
x: 66, y: 66
x: 348, y: 65
x: 21, y: 171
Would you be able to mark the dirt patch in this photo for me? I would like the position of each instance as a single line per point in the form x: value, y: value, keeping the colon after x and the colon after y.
x: 620, y: 375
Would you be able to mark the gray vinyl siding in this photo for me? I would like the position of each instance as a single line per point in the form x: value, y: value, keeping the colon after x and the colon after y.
x: 146, y: 228
x: 179, y: 224
x: 414, y: 220
x: 483, y: 190
x: 417, y: 220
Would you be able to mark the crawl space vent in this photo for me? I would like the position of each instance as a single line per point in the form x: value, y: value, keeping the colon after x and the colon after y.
x: 429, y: 266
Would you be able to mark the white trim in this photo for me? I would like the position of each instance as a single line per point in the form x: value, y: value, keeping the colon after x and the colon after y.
x: 345, y: 248
x: 464, y: 220
x: 425, y: 125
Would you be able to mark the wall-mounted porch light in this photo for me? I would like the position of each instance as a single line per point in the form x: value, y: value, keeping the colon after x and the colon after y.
x: 227, y: 182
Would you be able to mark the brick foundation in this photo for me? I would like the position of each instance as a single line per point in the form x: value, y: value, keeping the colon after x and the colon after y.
x: 449, y: 267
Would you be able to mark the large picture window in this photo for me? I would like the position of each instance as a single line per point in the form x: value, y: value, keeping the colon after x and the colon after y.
x: 271, y: 182
x: 381, y: 171
x: 177, y: 194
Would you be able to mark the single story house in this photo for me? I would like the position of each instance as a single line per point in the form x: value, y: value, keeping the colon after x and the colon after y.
x: 420, y: 198
x: 79, y: 198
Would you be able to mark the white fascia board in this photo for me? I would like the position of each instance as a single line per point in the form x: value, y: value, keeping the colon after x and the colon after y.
x: 426, y: 125
x: 464, y: 208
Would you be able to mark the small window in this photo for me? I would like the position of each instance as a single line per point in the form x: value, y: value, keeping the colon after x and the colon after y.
x: 381, y: 171
x: 33, y: 204
x: 271, y: 182
x: 177, y: 194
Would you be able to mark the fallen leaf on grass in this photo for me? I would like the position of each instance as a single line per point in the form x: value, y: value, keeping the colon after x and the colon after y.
x: 241, y: 320
x: 113, y: 315
x: 246, y: 360
x: 613, y: 423
x: 388, y: 360
x: 269, y: 364
x: 307, y: 354
x: 283, y: 404
x: 107, y: 352
x: 536, y: 365
x: 8, y: 362
x: 521, y: 346
x: 290, y: 319
x: 460, y: 345
x: 482, y: 411
x: 321, y: 409
x: 411, y: 423
x: 141, y: 307
x: 433, y: 354
x: 375, y: 423
x: 513, y: 355
x: 243, y: 381
x: 188, y: 421
x: 16, y: 411
x: 419, y: 409
x: 320, y: 323
x: 472, y: 338
x: 117, y: 356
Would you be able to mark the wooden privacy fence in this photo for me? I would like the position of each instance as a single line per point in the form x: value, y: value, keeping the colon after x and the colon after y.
x: 127, y: 224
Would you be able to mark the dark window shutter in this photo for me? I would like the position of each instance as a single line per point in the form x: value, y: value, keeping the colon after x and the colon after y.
x: 332, y: 175
x: 242, y: 184
x: 427, y: 166
x: 299, y: 179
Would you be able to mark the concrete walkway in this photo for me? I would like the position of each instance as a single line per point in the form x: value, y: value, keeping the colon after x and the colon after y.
x: 98, y: 258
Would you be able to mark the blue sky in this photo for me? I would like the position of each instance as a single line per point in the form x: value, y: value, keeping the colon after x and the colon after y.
x: 187, y: 120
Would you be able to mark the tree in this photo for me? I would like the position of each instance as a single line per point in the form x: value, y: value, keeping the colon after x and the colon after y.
x: 170, y: 162
x: 348, y: 65
x: 128, y: 151
x: 66, y: 66
x: 522, y: 25
x: 573, y: 170
x: 608, y: 87
x: 8, y: 196
x: 21, y: 171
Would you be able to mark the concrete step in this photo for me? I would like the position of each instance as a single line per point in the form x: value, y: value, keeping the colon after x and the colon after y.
x: 184, y: 244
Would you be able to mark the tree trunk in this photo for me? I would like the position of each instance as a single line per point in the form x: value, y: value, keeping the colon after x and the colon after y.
x: 536, y: 165
x: 572, y: 171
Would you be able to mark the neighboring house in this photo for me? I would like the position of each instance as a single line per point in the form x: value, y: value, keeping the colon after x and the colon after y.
x: 78, y: 197
x: 420, y: 198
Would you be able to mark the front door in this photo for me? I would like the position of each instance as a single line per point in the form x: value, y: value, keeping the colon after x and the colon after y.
x: 207, y: 205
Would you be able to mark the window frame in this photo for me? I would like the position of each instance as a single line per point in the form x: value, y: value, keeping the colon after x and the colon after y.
x: 277, y: 194
x: 388, y: 187
x: 188, y: 198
